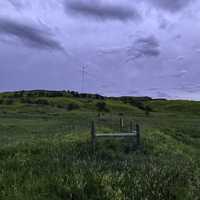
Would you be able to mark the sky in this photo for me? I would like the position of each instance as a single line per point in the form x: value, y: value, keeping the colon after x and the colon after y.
x: 110, y: 47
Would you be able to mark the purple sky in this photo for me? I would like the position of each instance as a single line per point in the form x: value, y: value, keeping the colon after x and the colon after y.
x: 141, y: 47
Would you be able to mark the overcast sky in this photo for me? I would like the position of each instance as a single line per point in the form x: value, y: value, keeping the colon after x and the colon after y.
x: 127, y: 47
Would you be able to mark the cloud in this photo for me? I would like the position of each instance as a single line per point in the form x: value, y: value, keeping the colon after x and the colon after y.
x: 177, y: 74
x: 160, y: 94
x: 180, y: 74
x: 102, y: 10
x: 198, y: 50
x: 163, y: 23
x: 16, y: 3
x: 177, y: 37
x: 180, y: 58
x: 144, y: 47
x: 171, y: 5
x: 141, y: 47
x: 29, y: 35
x: 189, y: 88
x: 111, y: 51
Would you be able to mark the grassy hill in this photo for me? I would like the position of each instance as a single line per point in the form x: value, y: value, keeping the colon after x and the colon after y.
x: 45, y: 150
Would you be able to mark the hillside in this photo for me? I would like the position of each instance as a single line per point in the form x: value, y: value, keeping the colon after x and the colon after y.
x: 45, y: 150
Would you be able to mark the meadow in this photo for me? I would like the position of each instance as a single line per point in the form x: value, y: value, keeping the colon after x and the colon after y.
x: 45, y: 148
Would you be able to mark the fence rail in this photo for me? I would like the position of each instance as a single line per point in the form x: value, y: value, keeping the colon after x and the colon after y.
x: 116, y: 134
x: 132, y: 134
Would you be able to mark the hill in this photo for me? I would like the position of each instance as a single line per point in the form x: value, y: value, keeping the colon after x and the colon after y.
x: 45, y: 150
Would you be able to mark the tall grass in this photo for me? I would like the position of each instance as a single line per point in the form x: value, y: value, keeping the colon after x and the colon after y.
x: 45, y: 153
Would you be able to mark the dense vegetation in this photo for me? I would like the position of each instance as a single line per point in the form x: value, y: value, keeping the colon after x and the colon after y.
x: 45, y: 150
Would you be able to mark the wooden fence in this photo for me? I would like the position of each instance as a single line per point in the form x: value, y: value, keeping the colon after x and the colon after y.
x: 134, y: 133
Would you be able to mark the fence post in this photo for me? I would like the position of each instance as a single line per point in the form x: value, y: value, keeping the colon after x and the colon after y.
x: 138, y: 134
x: 121, y: 124
x: 131, y: 127
x: 93, y: 135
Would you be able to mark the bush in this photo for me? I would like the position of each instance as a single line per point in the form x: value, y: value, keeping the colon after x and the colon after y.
x: 9, y: 101
x: 42, y: 102
x: 148, y: 110
x: 72, y: 106
x: 102, y: 107
x: 37, y: 101
x: 18, y: 94
x: 26, y: 100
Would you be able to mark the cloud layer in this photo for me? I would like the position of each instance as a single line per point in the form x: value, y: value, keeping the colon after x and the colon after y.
x: 171, y: 5
x: 29, y: 35
x: 102, y: 10
x: 16, y: 3
x: 144, y: 47
x: 143, y: 43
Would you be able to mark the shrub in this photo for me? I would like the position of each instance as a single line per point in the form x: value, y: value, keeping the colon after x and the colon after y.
x: 147, y: 110
x: 26, y: 100
x: 102, y: 107
x: 72, y: 106
x: 9, y: 101
x: 42, y: 102
x: 32, y: 101
x: 18, y: 94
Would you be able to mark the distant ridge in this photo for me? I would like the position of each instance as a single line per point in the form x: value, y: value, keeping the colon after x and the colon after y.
x: 61, y: 93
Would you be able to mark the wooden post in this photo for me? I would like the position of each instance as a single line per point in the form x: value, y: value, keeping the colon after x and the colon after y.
x: 131, y: 127
x: 93, y: 135
x: 138, y: 134
x: 121, y: 124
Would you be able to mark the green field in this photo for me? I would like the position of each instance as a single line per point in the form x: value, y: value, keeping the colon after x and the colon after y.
x: 46, y: 154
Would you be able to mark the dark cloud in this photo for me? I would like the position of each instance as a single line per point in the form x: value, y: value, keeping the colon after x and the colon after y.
x: 144, y: 47
x: 171, y: 5
x: 101, y: 10
x: 177, y: 37
x: 29, y: 35
x: 163, y: 23
x: 16, y: 3
x: 180, y: 74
